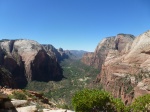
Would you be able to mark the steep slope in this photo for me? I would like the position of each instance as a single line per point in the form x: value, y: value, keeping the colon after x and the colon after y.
x: 118, y: 43
x: 6, y: 78
x: 58, y: 54
x: 27, y: 60
x: 126, y: 72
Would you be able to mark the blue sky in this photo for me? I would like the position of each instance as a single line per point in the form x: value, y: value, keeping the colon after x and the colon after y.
x: 72, y: 24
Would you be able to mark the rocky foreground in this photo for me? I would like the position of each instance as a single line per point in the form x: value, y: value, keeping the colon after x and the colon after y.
x: 125, y: 65
x: 35, y: 102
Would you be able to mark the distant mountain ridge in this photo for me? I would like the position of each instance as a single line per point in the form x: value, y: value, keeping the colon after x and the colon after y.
x: 78, y: 53
x: 59, y: 54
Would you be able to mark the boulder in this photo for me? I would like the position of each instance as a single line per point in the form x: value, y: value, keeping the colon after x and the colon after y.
x: 59, y: 110
x: 27, y: 109
x: 15, y: 103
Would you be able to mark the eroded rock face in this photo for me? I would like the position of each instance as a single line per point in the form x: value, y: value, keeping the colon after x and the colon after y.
x: 97, y: 58
x: 27, y: 60
x: 44, y: 68
x: 57, y: 54
x: 126, y: 70
x: 120, y: 43
x: 6, y: 78
x: 52, y: 51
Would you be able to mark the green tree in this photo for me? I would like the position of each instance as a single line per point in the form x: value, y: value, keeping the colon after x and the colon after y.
x: 141, y: 104
x: 96, y: 101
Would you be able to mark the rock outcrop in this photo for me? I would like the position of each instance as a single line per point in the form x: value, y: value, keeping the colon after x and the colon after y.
x: 27, y: 60
x: 126, y: 69
x: 57, y: 54
x: 4, y: 100
x: 35, y: 102
x: 98, y: 57
x: 6, y: 78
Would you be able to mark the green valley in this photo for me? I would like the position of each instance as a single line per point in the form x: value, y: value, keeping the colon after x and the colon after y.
x: 77, y: 76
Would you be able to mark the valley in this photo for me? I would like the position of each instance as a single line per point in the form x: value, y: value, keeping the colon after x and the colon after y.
x: 117, y: 74
x: 77, y: 76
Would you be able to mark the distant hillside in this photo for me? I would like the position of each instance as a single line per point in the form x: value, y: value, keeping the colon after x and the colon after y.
x: 78, y: 53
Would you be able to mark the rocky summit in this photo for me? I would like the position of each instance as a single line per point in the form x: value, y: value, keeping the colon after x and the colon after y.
x: 125, y: 65
x: 57, y: 54
x: 120, y: 43
x: 26, y: 60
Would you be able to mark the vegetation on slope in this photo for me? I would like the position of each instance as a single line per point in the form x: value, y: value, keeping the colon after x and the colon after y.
x: 77, y: 77
x: 89, y: 100
x: 72, y: 92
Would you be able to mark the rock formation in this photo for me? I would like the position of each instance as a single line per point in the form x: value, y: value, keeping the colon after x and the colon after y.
x: 27, y: 60
x: 125, y: 71
x: 58, y: 54
x: 118, y: 43
x: 33, y: 102
x: 6, y: 78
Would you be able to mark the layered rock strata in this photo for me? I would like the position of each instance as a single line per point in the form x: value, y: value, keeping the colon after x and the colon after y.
x: 126, y: 69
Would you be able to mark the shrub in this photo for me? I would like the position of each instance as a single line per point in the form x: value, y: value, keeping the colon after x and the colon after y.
x: 141, y: 104
x: 118, y: 105
x: 63, y: 106
x: 96, y: 101
x: 19, y: 95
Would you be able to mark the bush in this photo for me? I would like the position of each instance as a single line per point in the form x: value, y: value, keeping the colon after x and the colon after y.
x: 96, y: 101
x: 63, y: 106
x: 19, y: 95
x: 141, y: 104
x: 118, y: 105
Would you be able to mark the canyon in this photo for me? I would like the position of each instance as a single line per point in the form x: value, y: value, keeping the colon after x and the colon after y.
x: 120, y: 65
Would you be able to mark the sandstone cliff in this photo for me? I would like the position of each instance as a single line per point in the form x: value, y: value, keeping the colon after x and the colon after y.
x: 57, y: 54
x: 126, y: 69
x: 27, y: 60
x: 98, y: 57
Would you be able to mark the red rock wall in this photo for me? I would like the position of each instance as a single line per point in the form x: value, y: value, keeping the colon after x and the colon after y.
x: 126, y: 72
